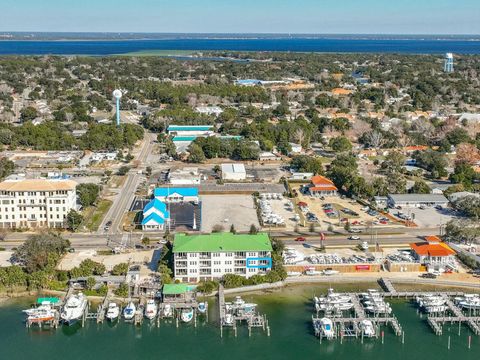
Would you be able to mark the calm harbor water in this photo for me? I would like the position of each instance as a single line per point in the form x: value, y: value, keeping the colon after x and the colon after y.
x: 289, y: 312
x: 111, y: 47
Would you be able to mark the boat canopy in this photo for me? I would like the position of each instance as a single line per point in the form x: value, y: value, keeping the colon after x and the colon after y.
x: 51, y: 300
x: 177, y: 289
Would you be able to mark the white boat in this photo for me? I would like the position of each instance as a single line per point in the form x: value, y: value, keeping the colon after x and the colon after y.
x: 367, y: 328
x: 326, y: 328
x: 228, y: 319
x: 470, y: 303
x: 248, y: 307
x: 186, y: 315
x: 167, y: 310
x: 151, y: 309
x: 238, y: 301
x: 364, y: 246
x: 40, y: 314
x: 202, y: 307
x: 311, y: 272
x: 129, y: 311
x: 113, y: 311
x: 436, y: 309
x: 379, y: 309
x: 329, y: 272
x: 74, y: 308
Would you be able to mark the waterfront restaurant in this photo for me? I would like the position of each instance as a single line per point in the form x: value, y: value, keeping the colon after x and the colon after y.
x: 433, y: 253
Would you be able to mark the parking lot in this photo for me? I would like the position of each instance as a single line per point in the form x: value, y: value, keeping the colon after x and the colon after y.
x: 429, y: 217
x: 315, y: 206
x: 226, y: 210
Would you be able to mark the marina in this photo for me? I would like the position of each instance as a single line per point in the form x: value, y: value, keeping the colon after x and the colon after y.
x: 289, y: 316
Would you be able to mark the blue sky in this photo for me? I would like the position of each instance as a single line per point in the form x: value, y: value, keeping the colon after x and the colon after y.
x: 244, y: 16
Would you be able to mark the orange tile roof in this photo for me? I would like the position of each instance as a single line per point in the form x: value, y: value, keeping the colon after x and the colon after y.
x: 433, y: 238
x: 321, y: 180
x: 425, y: 248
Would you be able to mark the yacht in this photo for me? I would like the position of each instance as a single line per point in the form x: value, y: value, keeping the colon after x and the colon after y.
x: 367, y: 328
x: 113, y: 311
x: 187, y: 315
x: 326, y: 328
x: 74, y: 308
x: 470, y: 302
x: 129, y: 311
x: 151, y: 309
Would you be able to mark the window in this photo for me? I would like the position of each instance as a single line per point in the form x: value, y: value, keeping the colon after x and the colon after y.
x: 229, y: 254
x: 193, y: 263
x: 217, y: 262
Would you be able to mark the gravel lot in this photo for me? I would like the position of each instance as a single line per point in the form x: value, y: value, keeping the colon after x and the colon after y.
x: 226, y: 210
x: 429, y: 217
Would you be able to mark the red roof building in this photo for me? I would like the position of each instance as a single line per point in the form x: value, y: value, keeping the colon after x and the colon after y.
x: 321, y: 186
x: 433, y: 252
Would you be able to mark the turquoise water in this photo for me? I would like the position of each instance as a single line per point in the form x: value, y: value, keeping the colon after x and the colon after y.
x: 289, y: 312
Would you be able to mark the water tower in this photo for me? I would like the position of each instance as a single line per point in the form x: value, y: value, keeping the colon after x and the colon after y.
x: 448, y: 67
x: 117, y: 94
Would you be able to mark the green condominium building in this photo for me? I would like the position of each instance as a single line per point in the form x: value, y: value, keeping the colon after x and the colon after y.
x: 209, y: 257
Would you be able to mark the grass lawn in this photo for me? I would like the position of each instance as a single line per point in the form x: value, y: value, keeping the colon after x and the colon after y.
x: 93, y: 221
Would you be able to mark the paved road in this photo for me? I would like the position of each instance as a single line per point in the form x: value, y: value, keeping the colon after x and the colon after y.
x: 125, y: 196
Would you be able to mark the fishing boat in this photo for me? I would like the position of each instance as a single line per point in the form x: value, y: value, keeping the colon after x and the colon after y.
x: 151, y: 309
x: 326, y: 328
x: 74, y: 308
x: 367, y: 328
x: 436, y: 308
x: 167, y: 310
x: 42, y: 313
x: 129, y: 311
x: 113, y: 311
x: 202, y: 307
x: 186, y: 315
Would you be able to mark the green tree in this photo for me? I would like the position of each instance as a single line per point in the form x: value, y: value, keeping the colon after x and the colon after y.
x: 340, y: 144
x: 41, y: 251
x: 196, y: 154
x: 305, y: 163
x: 6, y: 167
x: 120, y: 269
x: 122, y: 290
x: 88, y: 193
x: 28, y: 113
x: 420, y: 187
x: 91, y: 282
x: 253, y: 230
x: 74, y: 220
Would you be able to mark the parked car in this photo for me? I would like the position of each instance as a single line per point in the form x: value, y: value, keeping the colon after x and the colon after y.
x: 353, y: 237
x: 428, y: 276
x: 300, y: 238
x: 355, y: 231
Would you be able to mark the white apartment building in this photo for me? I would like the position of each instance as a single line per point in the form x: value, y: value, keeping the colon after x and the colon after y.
x: 36, y: 203
x: 209, y: 257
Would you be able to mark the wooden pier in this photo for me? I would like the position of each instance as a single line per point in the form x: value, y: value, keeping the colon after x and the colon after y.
x: 436, y: 321
x: 230, y: 315
x: 350, y: 326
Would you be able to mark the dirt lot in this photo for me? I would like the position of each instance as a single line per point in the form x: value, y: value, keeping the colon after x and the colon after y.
x: 72, y: 260
x: 226, y: 210
x: 5, y: 258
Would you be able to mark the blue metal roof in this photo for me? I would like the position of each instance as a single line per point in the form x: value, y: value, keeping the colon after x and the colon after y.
x: 189, y: 127
x: 158, y: 205
x: 184, y: 138
x: 180, y: 191
x: 155, y: 217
